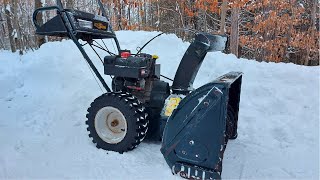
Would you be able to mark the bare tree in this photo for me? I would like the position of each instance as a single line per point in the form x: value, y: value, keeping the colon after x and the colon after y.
x: 224, y: 8
x: 70, y: 4
x: 39, y: 39
x: 2, y: 32
x: 234, y: 35
x: 9, y: 24
x: 16, y: 26
x: 314, y: 4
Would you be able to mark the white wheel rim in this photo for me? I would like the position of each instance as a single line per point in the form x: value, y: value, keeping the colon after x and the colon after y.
x: 111, y: 125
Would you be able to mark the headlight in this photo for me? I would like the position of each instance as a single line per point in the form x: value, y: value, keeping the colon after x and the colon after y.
x: 85, y: 24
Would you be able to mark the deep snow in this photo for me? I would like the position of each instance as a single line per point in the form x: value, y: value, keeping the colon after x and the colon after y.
x: 44, y: 96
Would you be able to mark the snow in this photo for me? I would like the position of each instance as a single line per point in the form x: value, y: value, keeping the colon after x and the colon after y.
x: 8, y: 8
x: 301, y: 5
x: 44, y: 96
x: 14, y: 34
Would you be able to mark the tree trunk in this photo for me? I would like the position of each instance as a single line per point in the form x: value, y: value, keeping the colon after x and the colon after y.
x: 39, y: 39
x: 145, y: 13
x: 224, y: 7
x: 158, y: 15
x: 3, y: 30
x: 153, y: 11
x: 123, y: 15
x: 2, y: 24
x: 70, y: 4
x: 117, y: 12
x: 195, y: 19
x: 120, y: 14
x: 129, y: 16
x: 289, y: 33
x: 313, y: 29
x: 138, y: 17
x: 141, y: 14
x: 16, y: 26
x: 234, y: 35
x: 9, y: 24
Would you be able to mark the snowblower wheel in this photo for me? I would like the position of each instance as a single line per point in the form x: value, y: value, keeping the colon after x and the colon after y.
x: 231, y: 124
x: 117, y: 122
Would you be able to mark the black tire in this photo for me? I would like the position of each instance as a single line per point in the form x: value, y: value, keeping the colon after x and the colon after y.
x: 231, y: 127
x: 135, y: 116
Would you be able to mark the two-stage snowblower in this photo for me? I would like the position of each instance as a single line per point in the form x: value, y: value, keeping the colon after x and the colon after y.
x: 194, y: 124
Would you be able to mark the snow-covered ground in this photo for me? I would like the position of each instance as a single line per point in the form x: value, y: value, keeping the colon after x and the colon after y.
x: 44, y: 96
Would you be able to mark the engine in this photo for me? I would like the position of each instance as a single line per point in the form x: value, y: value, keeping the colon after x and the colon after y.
x: 139, y: 75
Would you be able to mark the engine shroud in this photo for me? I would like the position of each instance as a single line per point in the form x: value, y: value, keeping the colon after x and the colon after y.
x: 142, y: 66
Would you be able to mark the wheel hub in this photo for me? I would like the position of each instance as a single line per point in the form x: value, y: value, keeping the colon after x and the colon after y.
x: 115, y: 123
x: 110, y: 125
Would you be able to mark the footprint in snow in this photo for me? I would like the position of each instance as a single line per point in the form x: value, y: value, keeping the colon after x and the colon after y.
x: 77, y: 124
x: 282, y: 136
x: 9, y: 99
x: 21, y: 85
x: 19, y: 146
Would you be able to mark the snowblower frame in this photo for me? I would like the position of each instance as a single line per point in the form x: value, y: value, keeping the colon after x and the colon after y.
x: 193, y: 124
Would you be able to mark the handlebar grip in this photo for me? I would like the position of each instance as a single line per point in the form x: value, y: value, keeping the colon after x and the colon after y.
x: 36, y: 12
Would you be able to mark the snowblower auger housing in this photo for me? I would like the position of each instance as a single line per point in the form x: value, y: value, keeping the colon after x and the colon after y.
x: 193, y: 143
x: 193, y: 124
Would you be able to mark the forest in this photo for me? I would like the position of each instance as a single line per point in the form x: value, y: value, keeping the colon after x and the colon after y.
x: 264, y: 30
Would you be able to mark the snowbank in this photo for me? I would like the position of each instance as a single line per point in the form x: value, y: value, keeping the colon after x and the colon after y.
x: 44, y: 96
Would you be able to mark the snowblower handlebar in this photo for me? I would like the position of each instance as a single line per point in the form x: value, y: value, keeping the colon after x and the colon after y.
x: 78, y: 25
x: 37, y: 11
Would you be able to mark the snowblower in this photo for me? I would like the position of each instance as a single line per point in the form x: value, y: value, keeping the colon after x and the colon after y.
x: 193, y: 124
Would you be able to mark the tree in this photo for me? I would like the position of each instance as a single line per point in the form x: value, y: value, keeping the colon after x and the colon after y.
x: 281, y: 31
x: 8, y: 15
x: 17, y: 28
x: 39, y: 39
x: 234, y: 34
x: 70, y: 4
x: 224, y: 8
x: 266, y: 30
x: 2, y: 31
